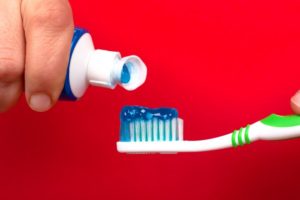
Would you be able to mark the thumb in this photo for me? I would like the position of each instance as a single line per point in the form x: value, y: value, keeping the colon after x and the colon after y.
x: 295, y: 103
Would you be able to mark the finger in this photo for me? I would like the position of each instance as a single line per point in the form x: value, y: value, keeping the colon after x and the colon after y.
x: 295, y: 103
x: 48, y: 26
x: 11, y: 53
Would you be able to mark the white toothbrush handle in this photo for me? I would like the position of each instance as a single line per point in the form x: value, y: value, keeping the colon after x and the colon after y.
x: 260, y: 131
x: 175, y: 146
x: 273, y: 127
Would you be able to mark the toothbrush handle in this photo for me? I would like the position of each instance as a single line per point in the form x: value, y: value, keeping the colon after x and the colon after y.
x: 278, y: 127
x: 273, y: 127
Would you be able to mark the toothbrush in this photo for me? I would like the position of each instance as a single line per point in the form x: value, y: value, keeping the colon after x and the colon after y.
x: 145, y: 130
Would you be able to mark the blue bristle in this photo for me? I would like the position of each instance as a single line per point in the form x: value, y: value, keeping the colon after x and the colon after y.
x: 139, y: 123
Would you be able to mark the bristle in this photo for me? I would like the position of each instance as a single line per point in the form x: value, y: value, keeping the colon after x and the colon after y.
x: 137, y: 130
x: 132, y: 132
x: 143, y: 131
x: 155, y: 129
x: 160, y: 130
x: 174, y: 131
x: 167, y: 130
x: 139, y: 127
x: 180, y: 129
x: 149, y: 130
x: 152, y: 130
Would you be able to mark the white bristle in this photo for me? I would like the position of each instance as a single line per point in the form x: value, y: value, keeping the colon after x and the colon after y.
x: 174, y: 129
x: 131, y: 131
x: 167, y: 129
x: 137, y: 130
x: 161, y: 129
x: 155, y: 129
x: 180, y: 128
x: 143, y: 130
x: 149, y: 130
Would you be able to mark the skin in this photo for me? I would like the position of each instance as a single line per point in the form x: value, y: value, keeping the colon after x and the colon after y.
x: 34, y: 51
x: 295, y: 103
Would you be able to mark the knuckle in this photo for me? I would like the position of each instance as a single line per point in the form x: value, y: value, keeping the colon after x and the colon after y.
x: 4, y: 107
x: 52, y: 14
x: 9, y: 94
x: 10, y: 69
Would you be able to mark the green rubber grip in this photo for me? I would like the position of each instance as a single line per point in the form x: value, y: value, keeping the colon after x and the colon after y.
x: 281, y: 121
x: 240, y: 137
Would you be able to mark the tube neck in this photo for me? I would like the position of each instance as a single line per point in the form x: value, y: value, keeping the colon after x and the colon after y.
x: 108, y: 69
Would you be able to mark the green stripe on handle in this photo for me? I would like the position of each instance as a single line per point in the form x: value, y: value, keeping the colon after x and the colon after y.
x: 239, y: 139
x: 247, y: 139
x: 233, y: 139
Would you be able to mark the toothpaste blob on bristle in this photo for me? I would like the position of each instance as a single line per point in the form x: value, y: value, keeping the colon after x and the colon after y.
x: 140, y: 124
x: 130, y: 113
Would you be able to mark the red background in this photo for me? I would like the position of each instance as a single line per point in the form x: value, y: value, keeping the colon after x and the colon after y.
x: 223, y: 64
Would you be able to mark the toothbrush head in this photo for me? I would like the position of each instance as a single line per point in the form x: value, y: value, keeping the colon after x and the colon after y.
x: 141, y: 125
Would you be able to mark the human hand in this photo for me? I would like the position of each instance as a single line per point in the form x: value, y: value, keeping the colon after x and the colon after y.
x: 295, y: 103
x: 35, y: 38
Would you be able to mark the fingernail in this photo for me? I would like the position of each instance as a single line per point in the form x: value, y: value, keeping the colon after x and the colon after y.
x: 40, y: 102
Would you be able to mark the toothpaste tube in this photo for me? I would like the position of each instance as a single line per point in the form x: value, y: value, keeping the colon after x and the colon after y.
x: 90, y: 66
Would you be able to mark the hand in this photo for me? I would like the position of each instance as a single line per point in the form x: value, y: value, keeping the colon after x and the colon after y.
x: 35, y: 38
x: 295, y: 103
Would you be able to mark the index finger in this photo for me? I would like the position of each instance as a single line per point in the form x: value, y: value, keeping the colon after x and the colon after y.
x: 48, y: 27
